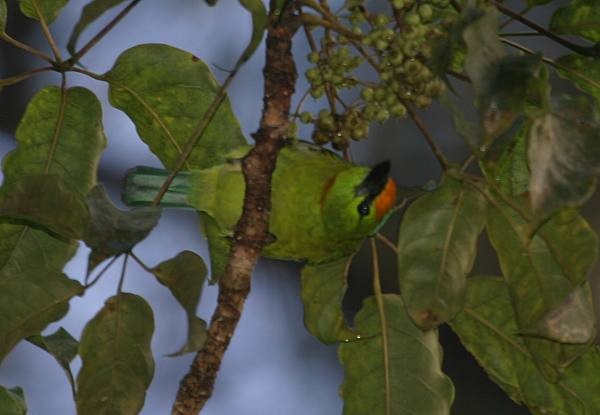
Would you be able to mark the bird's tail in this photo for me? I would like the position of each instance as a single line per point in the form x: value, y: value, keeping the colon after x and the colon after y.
x: 143, y: 183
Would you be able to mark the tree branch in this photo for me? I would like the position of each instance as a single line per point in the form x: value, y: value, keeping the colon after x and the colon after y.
x: 251, y: 232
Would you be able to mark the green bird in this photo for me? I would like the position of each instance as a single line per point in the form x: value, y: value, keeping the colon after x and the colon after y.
x: 322, y: 206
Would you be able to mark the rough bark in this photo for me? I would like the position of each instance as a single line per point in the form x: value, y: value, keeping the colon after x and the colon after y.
x: 252, y: 230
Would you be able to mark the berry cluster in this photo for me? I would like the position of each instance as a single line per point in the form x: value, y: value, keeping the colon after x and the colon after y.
x: 396, y: 47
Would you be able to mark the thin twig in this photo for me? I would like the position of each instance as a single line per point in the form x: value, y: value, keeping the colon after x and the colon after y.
x: 458, y: 75
x: 582, y: 50
x: 46, y: 31
x: 122, y: 277
x: 100, y: 274
x: 437, y: 152
x: 382, y: 318
x: 11, y: 80
x: 26, y: 48
x: 510, y: 19
x: 553, y: 63
x: 387, y: 242
x: 518, y: 34
x: 141, y: 263
x: 109, y: 26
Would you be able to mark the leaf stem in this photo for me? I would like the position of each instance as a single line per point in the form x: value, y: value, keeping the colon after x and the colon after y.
x: 100, y: 274
x: 46, y: 31
x: 387, y: 242
x: 382, y: 318
x: 109, y: 26
x: 141, y: 263
x: 437, y: 152
x: 582, y: 50
x: 553, y: 63
x: 11, y: 80
x: 25, y: 47
x: 122, y: 277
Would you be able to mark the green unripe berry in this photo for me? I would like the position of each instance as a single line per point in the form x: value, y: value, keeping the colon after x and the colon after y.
x: 367, y: 94
x: 397, y: 58
x: 320, y: 138
x: 381, y: 20
x: 398, y: 110
x: 357, y: 30
x: 317, y: 92
x: 313, y: 57
x: 385, y: 75
x: 312, y: 74
x: 381, y: 44
x: 380, y: 94
x: 398, y: 4
x: 360, y: 132
x: 422, y: 101
x: 388, y: 34
x: 382, y: 115
x: 411, y: 48
x: 412, y: 18
x: 425, y: 12
x: 369, y: 112
x: 306, y: 117
x: 292, y: 131
x: 391, y: 99
x: 337, y: 79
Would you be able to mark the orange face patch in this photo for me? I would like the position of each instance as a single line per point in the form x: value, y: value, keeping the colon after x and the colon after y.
x: 386, y: 199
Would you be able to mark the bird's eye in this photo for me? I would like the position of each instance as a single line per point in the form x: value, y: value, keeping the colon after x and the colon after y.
x: 363, y: 209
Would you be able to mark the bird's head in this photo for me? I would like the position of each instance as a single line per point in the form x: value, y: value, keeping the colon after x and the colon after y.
x: 357, y: 199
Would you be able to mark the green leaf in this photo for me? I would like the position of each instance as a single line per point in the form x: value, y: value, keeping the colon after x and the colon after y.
x: 31, y: 300
x: 45, y: 200
x: 323, y: 289
x: 50, y: 138
x: 573, y: 244
x: 259, y: 23
x: 117, y: 364
x: 584, y: 71
x: 61, y: 346
x: 112, y: 231
x: 488, y: 329
x: 578, y: 17
x: 33, y: 290
x: 2, y: 16
x: 399, y: 373
x: 49, y: 9
x: 540, y: 282
x: 89, y: 14
x: 165, y: 91
x: 12, y: 401
x: 437, y: 246
x: 564, y: 155
x: 484, y: 49
x: 508, y: 167
x: 184, y: 276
